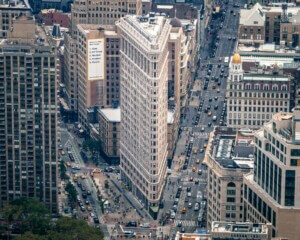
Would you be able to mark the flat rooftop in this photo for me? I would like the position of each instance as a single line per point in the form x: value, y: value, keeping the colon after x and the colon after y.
x: 150, y: 25
x: 265, y: 77
x: 243, y: 227
x: 230, y: 150
x: 14, y: 4
x: 111, y: 114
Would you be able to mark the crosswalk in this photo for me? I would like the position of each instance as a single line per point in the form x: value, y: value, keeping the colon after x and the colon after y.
x: 186, y: 223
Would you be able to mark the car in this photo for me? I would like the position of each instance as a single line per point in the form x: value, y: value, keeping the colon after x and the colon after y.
x: 209, y: 113
x: 208, y: 107
x: 218, y: 90
x: 214, y: 86
x: 222, y: 70
x: 179, y: 188
x: 196, y: 181
x: 209, y: 124
x: 92, y: 214
x: 199, y: 172
x: 182, y: 230
x: 216, y: 107
x: 83, y: 188
x: 229, y: 38
x: 174, y: 208
x: 214, y: 118
x: 131, y: 224
x: 179, y: 224
x: 84, y: 195
x: 82, y: 208
x: 83, y: 176
x: 202, y: 129
x: 186, y: 200
x: 96, y: 220
x: 68, y: 164
x: 219, y: 65
x: 88, y: 192
x: 219, y: 83
x: 176, y: 201
x: 198, y: 161
x: 189, y: 205
x: 206, y: 110
x: 210, y: 99
x: 204, y: 145
x: 194, y: 169
x: 196, y: 208
x: 191, y: 179
x: 188, y: 189
x: 216, y: 98
x: 87, y: 202
x: 201, y: 150
x: 185, y: 166
x: 173, y: 215
x: 79, y: 184
x: 183, y: 210
x: 89, y: 208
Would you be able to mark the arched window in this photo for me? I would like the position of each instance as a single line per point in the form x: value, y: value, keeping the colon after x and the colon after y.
x: 266, y: 87
x: 275, y: 87
x: 256, y: 87
x: 248, y: 86
x: 284, y: 88
x: 231, y: 184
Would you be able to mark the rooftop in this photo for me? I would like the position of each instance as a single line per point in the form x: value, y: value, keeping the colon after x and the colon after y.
x: 231, y: 150
x: 239, y: 227
x: 14, y: 4
x: 111, y: 114
x: 254, y: 16
x: 149, y: 26
x: 265, y: 77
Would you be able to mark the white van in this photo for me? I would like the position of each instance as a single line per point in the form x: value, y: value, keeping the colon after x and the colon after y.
x: 214, y: 118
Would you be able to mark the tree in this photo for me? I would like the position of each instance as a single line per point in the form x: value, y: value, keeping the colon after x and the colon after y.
x: 72, y: 192
x: 63, y: 171
x: 30, y: 236
x: 29, y: 214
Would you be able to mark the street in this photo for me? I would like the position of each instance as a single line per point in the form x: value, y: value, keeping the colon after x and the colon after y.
x: 184, y: 195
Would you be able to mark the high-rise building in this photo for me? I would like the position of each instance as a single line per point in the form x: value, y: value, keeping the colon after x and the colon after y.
x: 228, y: 157
x: 98, y: 70
x: 144, y: 108
x: 102, y: 12
x: 271, y: 191
x: 28, y: 115
x: 8, y: 11
x: 99, y: 14
x: 254, y: 96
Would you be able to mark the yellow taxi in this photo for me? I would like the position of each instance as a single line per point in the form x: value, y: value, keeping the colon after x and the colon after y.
x: 89, y: 208
x: 209, y: 113
x: 213, y: 86
x: 83, y: 176
x: 194, y: 169
x: 75, y: 178
x: 205, y: 145
x: 198, y: 161
x: 195, y: 150
x: 68, y: 164
x: 183, y: 210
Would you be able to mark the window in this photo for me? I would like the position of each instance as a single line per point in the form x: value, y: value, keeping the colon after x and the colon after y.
x: 275, y: 87
x: 295, y: 152
x: 256, y: 87
x: 231, y: 199
x: 230, y: 192
x: 284, y: 88
x: 231, y: 184
x: 266, y: 87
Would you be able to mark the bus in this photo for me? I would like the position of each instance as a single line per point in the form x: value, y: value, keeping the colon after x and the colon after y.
x: 226, y: 59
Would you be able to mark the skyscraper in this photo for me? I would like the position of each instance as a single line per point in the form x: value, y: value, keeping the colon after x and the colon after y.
x: 271, y: 192
x: 28, y: 115
x: 144, y: 105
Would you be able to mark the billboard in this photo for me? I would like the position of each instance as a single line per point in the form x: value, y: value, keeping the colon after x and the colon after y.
x: 96, y: 59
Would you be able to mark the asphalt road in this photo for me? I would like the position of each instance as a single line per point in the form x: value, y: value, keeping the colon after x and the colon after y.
x: 195, y: 125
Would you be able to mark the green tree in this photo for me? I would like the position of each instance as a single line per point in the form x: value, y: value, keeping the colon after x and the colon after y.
x: 72, y: 192
x: 63, y: 171
x: 29, y: 213
x: 31, y: 236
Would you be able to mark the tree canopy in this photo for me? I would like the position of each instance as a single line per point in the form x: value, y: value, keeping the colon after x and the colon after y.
x: 34, y: 223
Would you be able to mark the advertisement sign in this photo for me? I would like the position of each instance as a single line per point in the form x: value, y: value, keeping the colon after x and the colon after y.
x: 96, y: 59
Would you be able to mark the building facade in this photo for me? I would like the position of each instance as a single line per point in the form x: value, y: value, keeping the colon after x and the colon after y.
x: 8, y: 11
x: 253, y: 97
x: 144, y: 108
x: 109, y: 131
x: 228, y: 157
x: 102, y: 12
x: 271, y: 191
x: 98, y: 70
x: 28, y: 112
